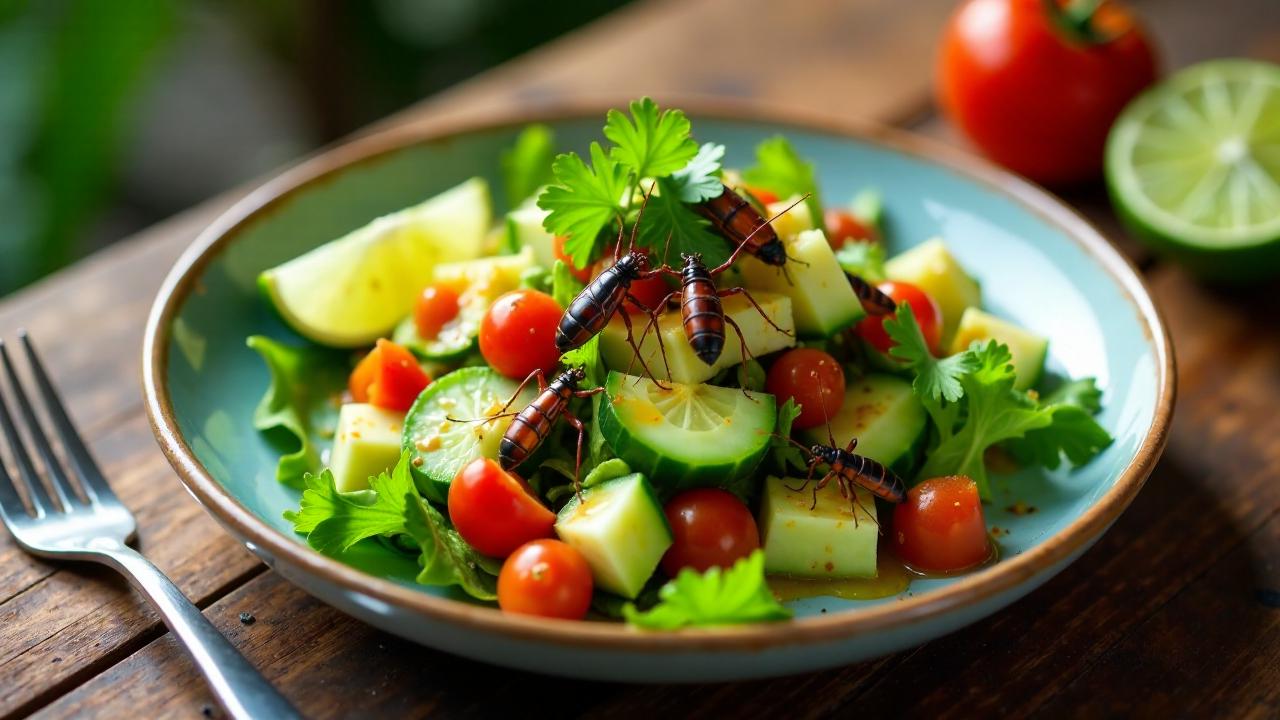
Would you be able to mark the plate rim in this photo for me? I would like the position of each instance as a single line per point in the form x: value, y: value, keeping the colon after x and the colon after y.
x: 833, y: 627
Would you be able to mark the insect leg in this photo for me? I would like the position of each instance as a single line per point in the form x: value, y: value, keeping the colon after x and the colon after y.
x: 746, y: 352
x: 751, y: 299
x: 631, y: 340
x: 653, y: 323
x: 577, y: 460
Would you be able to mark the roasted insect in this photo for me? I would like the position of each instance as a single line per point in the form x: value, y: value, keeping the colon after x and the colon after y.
x: 873, y: 300
x: 531, y: 426
x: 740, y: 223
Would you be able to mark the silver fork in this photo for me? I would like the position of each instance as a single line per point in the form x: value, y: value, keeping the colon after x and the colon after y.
x: 97, y: 527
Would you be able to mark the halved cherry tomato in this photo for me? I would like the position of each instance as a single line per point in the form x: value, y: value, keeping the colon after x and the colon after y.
x: 495, y: 511
x: 435, y: 307
x: 928, y: 317
x: 765, y: 197
x: 843, y: 226
x: 547, y: 578
x: 814, y: 379
x: 518, y: 333
x: 389, y: 377
x: 711, y: 528
x: 1038, y: 89
x: 940, y: 526
x: 557, y: 249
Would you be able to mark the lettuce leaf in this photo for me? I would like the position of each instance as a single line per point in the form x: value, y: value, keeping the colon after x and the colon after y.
x: 299, y: 410
x: 716, y: 597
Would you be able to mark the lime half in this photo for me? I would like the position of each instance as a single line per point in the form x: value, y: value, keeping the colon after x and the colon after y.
x: 1193, y: 165
x: 353, y: 290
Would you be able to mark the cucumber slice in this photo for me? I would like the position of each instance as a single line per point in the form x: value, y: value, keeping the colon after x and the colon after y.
x: 620, y: 529
x: 822, y: 303
x: 883, y: 413
x: 439, y: 446
x: 1027, y: 348
x: 482, y: 281
x: 810, y: 535
x: 353, y: 290
x: 688, y: 436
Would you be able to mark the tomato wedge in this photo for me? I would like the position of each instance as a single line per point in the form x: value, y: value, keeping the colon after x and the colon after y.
x: 388, y: 377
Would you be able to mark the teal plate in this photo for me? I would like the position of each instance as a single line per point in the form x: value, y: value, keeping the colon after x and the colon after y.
x: 1039, y: 263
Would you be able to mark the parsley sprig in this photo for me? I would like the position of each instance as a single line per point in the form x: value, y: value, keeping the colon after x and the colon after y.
x: 716, y: 597
x: 970, y: 398
x: 653, y: 151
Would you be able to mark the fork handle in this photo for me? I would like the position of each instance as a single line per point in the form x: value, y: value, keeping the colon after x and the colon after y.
x: 239, y: 687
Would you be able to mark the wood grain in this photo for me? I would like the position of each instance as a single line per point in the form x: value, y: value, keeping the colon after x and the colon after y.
x: 1173, y: 612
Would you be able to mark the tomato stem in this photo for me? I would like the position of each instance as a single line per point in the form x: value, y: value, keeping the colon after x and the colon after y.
x: 1075, y: 20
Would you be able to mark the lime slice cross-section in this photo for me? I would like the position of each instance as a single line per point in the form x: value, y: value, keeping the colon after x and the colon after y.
x: 1193, y: 165
x: 353, y: 290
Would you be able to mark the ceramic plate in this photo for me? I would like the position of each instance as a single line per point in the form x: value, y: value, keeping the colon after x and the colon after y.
x: 1039, y: 263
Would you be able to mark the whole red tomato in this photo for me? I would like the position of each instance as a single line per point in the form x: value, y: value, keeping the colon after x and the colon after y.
x: 710, y: 528
x: 1037, y: 86
x: 546, y: 578
x: 518, y: 333
x: 813, y: 379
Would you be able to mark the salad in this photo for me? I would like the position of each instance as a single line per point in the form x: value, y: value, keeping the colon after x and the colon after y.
x: 658, y: 389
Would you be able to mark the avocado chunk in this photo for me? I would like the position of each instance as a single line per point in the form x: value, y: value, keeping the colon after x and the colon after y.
x: 789, y: 222
x: 686, y: 367
x: 883, y: 412
x: 366, y: 443
x: 1028, y: 349
x: 822, y: 542
x: 620, y: 529
x: 822, y: 301
x: 931, y: 267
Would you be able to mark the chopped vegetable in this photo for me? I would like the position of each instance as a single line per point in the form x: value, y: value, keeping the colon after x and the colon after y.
x: 781, y: 169
x: 716, y: 597
x: 526, y: 166
x: 547, y: 578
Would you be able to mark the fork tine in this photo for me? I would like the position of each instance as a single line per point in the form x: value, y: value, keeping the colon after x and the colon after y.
x: 91, y: 478
x: 62, y: 488
x: 40, y: 501
x: 11, y: 506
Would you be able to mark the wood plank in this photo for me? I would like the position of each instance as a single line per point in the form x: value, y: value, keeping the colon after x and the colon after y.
x: 63, y: 623
x: 1215, y: 648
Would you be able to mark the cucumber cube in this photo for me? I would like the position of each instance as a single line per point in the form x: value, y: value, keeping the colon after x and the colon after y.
x: 822, y: 302
x: 883, y: 412
x: 524, y: 228
x: 823, y: 542
x: 366, y: 443
x: 686, y: 367
x: 932, y: 268
x: 791, y: 222
x: 620, y: 529
x: 1027, y: 348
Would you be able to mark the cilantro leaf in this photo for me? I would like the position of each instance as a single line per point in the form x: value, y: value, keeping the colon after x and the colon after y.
x: 299, y: 409
x: 1072, y: 432
x: 936, y: 380
x: 653, y: 142
x: 446, y: 558
x: 781, y: 169
x: 584, y: 201
x: 994, y: 413
x: 526, y: 166
x: 785, y: 456
x: 700, y: 179
x: 715, y: 597
x: 589, y: 359
x: 864, y: 259
x: 1082, y: 393
x: 666, y: 216
x: 335, y: 521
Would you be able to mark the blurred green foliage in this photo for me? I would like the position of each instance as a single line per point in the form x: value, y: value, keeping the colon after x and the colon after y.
x: 73, y: 72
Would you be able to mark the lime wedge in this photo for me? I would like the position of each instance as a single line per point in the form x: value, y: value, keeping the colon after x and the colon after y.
x: 353, y: 290
x: 1193, y: 165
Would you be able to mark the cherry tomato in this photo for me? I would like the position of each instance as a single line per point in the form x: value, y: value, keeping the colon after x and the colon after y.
x: 814, y: 379
x: 495, y: 511
x: 547, y: 578
x: 557, y: 248
x: 435, y: 307
x: 940, y: 526
x: 711, y: 528
x: 389, y: 377
x: 928, y: 317
x: 843, y: 226
x: 518, y: 333
x: 1037, y: 97
x: 765, y: 197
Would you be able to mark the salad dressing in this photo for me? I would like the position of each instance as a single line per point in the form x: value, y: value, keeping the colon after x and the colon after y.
x: 892, y: 578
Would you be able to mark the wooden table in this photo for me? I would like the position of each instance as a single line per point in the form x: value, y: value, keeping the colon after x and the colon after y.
x: 1175, y: 611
